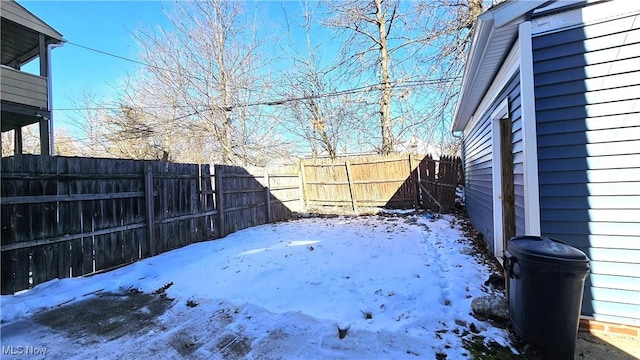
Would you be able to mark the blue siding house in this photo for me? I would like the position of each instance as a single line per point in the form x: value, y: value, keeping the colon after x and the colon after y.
x: 549, y: 113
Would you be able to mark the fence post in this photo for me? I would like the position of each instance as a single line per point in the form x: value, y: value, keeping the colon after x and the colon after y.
x: 303, y: 186
x: 148, y: 197
x: 416, y: 180
x: 218, y: 174
x: 351, y: 191
x: 267, y: 191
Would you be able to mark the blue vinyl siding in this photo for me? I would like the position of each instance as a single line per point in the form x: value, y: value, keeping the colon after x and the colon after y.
x: 588, y: 133
x: 478, y: 187
x: 478, y: 165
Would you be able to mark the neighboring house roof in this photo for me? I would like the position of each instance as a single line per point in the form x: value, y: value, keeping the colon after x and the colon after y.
x: 23, y: 28
x: 495, y: 32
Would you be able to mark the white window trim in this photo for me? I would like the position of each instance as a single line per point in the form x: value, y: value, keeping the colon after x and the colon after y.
x: 529, y: 134
x: 501, y: 112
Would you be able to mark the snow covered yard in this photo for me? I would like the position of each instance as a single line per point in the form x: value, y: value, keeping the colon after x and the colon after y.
x: 371, y: 287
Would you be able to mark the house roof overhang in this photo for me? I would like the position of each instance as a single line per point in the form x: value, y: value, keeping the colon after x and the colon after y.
x: 495, y: 32
x: 20, y: 32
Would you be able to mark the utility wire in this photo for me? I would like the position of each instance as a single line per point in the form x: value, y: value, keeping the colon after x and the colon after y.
x: 282, y: 101
x: 400, y: 84
x: 121, y: 57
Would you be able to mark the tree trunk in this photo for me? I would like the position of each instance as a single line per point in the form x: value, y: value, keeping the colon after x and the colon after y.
x: 385, y: 82
x: 475, y: 10
x: 225, y: 132
x: 319, y: 126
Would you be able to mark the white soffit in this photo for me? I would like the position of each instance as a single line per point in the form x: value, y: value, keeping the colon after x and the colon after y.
x: 496, y: 30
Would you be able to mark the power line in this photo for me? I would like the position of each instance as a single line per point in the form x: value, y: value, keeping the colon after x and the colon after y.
x: 135, y: 61
x: 121, y: 57
x: 130, y: 138
x: 361, y: 89
x: 400, y: 84
x: 282, y: 101
x: 273, y: 102
x: 403, y: 84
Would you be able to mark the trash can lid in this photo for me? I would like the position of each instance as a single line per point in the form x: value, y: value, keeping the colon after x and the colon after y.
x: 545, y: 249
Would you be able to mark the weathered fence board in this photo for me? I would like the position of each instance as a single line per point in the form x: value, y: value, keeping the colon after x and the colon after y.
x: 284, y: 190
x: 438, y: 181
x: 64, y: 216
x: 394, y: 181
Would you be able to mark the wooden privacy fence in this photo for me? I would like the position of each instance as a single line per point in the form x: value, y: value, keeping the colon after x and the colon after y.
x: 394, y: 181
x: 256, y: 196
x: 438, y: 181
x: 65, y: 217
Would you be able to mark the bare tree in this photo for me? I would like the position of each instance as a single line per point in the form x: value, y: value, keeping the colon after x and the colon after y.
x: 368, y: 27
x: 317, y: 112
x: 207, y: 94
x: 88, y: 123
x: 449, y: 38
x: 208, y: 73
x: 65, y: 144
x: 8, y: 143
x: 416, y: 45
x: 30, y: 140
x: 130, y: 135
x: 86, y: 137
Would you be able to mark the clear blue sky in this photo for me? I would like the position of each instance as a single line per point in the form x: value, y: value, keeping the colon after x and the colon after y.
x: 106, y: 26
x: 109, y: 27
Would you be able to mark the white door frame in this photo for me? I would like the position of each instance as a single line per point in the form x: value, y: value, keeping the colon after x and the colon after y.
x: 500, y: 113
x: 529, y: 133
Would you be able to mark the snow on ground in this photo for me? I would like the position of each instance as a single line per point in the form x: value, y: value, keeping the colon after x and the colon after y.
x: 401, y: 287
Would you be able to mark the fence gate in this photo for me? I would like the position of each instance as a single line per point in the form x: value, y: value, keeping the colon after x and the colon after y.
x: 438, y: 182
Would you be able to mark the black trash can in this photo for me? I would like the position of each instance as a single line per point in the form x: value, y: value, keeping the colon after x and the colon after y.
x: 546, y: 281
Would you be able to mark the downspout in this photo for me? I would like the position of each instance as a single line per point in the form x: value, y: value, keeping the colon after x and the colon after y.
x: 50, y: 96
